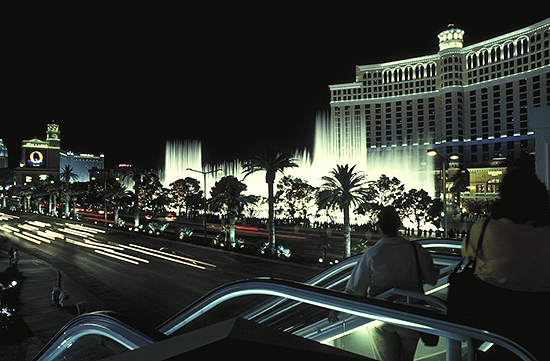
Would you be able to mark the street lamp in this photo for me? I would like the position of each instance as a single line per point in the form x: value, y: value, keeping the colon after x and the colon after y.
x: 204, y: 173
x: 433, y: 153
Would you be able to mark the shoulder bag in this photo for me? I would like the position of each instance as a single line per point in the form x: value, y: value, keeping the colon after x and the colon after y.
x: 465, y: 288
x: 427, y: 338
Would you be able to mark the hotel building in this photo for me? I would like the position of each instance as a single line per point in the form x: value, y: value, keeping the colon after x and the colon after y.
x: 477, y: 101
x: 81, y: 163
x: 39, y: 158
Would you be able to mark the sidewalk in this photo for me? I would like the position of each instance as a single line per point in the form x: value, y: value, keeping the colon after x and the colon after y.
x: 36, y: 307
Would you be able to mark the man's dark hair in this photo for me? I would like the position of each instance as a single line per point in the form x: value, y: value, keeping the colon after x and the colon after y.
x: 389, y: 221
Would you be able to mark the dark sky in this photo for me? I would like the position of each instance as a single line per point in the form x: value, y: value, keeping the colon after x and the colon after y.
x: 123, y: 79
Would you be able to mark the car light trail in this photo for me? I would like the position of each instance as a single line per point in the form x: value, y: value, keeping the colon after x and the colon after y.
x: 175, y: 256
x: 54, y: 234
x: 85, y: 229
x: 155, y: 253
x: 27, y: 227
x: 13, y: 229
x: 189, y: 259
x: 39, y: 224
x: 38, y: 238
x: 5, y: 217
x: 102, y: 249
x: 51, y: 237
x: 103, y: 245
x: 125, y: 255
x: 17, y: 234
x: 75, y: 233
x: 115, y: 256
x: 5, y: 229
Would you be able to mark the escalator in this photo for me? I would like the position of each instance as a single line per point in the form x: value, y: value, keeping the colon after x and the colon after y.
x: 286, y: 313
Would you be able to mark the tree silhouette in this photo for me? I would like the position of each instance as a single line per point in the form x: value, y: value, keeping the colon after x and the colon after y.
x: 227, y: 193
x: 342, y: 189
x: 270, y: 161
x: 67, y: 175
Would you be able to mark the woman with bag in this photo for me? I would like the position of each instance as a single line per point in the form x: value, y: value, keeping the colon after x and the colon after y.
x: 511, y: 254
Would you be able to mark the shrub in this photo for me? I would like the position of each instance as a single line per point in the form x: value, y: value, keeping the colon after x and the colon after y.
x: 156, y: 228
x: 184, y: 232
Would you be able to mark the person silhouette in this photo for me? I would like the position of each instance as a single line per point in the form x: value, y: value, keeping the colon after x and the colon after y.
x: 391, y: 263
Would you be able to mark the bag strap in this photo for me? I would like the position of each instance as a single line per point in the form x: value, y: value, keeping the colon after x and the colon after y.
x: 480, y: 241
x: 418, y: 270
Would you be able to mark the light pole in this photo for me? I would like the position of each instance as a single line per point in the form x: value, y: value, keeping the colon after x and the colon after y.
x: 433, y: 153
x: 204, y: 173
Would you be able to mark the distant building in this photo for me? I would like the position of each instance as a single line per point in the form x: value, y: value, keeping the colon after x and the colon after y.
x: 473, y: 101
x: 485, y: 180
x: 3, y: 155
x: 39, y: 158
x: 81, y: 163
x: 102, y: 175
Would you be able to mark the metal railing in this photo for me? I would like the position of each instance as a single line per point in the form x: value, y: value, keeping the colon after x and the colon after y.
x: 98, y: 323
x: 401, y: 315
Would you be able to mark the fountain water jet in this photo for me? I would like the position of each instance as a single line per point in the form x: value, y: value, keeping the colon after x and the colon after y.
x: 408, y: 163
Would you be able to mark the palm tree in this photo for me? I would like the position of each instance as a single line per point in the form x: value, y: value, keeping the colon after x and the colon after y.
x: 271, y: 161
x: 137, y: 175
x: 67, y: 175
x: 227, y: 192
x: 116, y: 192
x: 342, y: 189
x: 6, y: 181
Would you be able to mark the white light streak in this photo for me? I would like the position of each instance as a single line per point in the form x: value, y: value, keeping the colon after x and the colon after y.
x: 101, y: 245
x: 4, y: 216
x: 194, y: 261
x: 85, y: 229
x: 39, y: 224
x: 75, y: 233
x: 5, y: 229
x: 46, y: 235
x: 41, y: 239
x: 126, y: 255
x: 13, y: 229
x: 17, y: 234
x: 27, y: 227
x: 115, y: 256
x: 155, y: 253
x: 175, y: 256
x: 54, y: 234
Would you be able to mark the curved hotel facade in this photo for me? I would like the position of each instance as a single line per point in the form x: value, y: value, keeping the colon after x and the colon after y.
x: 473, y: 101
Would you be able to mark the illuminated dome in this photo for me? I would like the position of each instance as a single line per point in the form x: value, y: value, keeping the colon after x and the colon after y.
x: 451, y: 38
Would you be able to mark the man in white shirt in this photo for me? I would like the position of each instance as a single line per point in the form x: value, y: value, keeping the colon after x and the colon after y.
x: 391, y: 263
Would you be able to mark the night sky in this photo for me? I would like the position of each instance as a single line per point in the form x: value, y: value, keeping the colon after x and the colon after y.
x: 123, y: 79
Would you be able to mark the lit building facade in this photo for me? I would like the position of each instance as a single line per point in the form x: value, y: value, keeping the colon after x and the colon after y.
x: 39, y: 158
x: 473, y: 101
x: 81, y: 163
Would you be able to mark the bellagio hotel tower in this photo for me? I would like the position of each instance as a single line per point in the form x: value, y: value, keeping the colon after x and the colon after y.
x: 473, y: 101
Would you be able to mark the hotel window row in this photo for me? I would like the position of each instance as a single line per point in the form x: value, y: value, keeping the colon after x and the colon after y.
x: 473, y: 101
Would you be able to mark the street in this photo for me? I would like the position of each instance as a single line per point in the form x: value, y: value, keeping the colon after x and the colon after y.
x: 132, y: 273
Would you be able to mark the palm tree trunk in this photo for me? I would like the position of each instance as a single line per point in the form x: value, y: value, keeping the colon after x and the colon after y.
x: 232, y: 229
x: 136, y: 204
x: 136, y: 213
x: 67, y: 201
x: 347, y: 233
x: 270, y: 217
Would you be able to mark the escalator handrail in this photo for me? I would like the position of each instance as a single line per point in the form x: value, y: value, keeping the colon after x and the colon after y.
x: 96, y: 323
x: 407, y: 316
x: 431, y: 300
